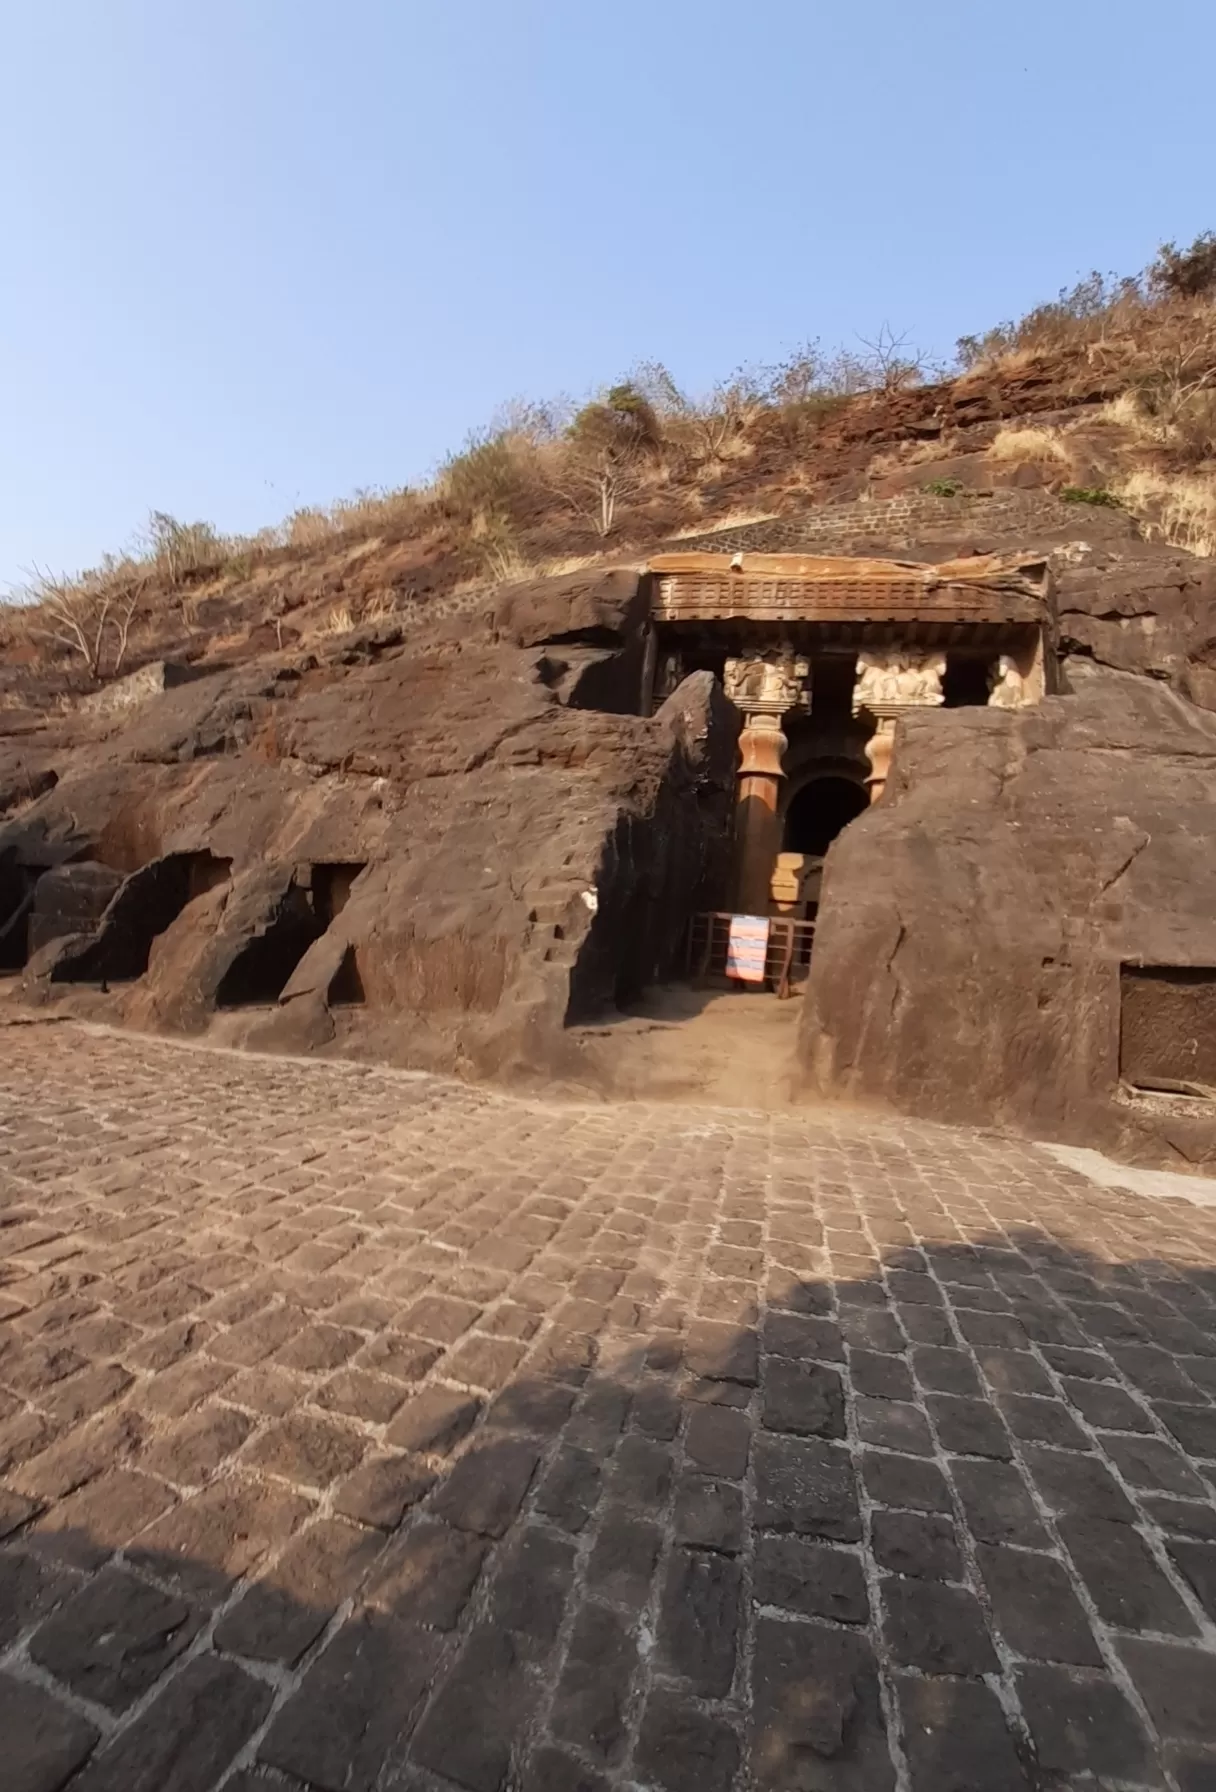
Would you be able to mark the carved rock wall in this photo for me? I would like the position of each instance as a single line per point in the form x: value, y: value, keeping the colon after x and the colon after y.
x: 973, y: 924
x: 418, y: 847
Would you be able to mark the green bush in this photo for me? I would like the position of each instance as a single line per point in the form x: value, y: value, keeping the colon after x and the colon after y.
x: 943, y: 488
x: 1091, y: 494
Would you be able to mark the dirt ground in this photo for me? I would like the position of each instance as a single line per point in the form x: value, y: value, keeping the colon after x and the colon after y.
x: 716, y: 1047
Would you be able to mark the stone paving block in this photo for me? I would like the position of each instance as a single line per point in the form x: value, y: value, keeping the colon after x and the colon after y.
x: 393, y: 1354
x: 29, y: 1588
x: 641, y: 1473
x: 571, y: 1490
x: 717, y: 1440
x: 486, y: 1488
x: 593, y: 1692
x: 699, y: 1620
x: 1083, y: 1724
x: 623, y: 1559
x: 82, y: 1455
x: 187, y: 1736
x: 355, y: 1706
x: 956, y: 1738
x: 192, y: 1451
x: 682, y: 1748
x: 531, y: 1589
x: 112, y: 1641
x: 998, y: 1504
x: 919, y: 1544
x: 968, y: 1427
x: 1184, y: 1518
x: 1035, y: 1607
x: 184, y: 1385
x: 805, y: 1399
x: 436, y: 1419
x: 535, y: 1405
x: 283, y: 1613
x: 44, y: 1741
x: 1109, y: 1408
x: 215, y: 1537
x: 1193, y: 1426
x: 1078, y: 1486
x: 806, y: 1486
x: 1038, y: 1421
x: 905, y: 1481
x: 893, y: 1425
x: 383, y: 1490
x: 881, y: 1377
x: 87, y: 1527
x: 1125, y: 1582
x: 1177, y: 1684
x: 708, y: 1514
x: 359, y: 1394
x: 1197, y: 1563
x: 308, y: 1451
x: 257, y: 1338
x: 551, y: 1769
x: 471, y: 1728
x: 818, y: 1723
x: 721, y: 1352
x: 426, y: 1575
x: 936, y: 1628
x: 810, y: 1578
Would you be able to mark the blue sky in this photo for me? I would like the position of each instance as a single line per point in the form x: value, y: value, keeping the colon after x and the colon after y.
x: 260, y: 253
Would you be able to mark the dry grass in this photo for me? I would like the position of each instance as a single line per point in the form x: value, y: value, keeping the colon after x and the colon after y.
x: 732, y: 519
x: 1020, y: 445
x: 1179, y: 508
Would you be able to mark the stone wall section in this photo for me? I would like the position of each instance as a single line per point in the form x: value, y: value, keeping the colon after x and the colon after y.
x: 841, y: 528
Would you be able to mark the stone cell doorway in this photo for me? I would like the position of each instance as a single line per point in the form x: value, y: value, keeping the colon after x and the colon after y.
x: 819, y: 811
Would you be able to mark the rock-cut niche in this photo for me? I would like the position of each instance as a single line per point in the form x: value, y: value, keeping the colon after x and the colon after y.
x: 304, y: 912
x: 146, y: 905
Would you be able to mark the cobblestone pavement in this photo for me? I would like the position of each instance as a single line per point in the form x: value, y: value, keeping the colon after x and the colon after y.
x: 366, y: 1431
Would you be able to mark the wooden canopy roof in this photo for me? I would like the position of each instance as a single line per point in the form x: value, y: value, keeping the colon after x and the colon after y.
x: 703, y: 587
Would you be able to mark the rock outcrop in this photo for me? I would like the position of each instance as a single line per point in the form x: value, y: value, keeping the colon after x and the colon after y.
x: 429, y: 847
x: 980, y: 926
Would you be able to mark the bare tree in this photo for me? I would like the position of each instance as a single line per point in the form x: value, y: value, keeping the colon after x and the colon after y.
x: 594, y: 480
x: 892, y: 364
x: 91, y: 617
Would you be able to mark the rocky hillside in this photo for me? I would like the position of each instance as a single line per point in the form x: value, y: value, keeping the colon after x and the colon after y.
x: 1106, y: 397
x: 379, y: 783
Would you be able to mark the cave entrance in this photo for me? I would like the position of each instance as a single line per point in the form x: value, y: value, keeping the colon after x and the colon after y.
x: 331, y: 887
x: 967, y: 680
x: 261, y: 969
x: 145, y: 906
x: 17, y: 886
x: 346, y: 986
x: 821, y: 810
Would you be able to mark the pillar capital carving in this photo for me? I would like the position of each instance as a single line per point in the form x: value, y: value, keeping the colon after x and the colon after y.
x: 1008, y: 688
x: 766, y: 685
x: 890, y: 682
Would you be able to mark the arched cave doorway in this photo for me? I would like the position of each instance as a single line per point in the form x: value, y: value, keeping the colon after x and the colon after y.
x: 819, y: 811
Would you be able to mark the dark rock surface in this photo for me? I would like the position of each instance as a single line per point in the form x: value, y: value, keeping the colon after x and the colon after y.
x: 435, y: 846
x: 973, y: 924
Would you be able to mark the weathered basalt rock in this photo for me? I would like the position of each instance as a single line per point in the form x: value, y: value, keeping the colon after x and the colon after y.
x: 435, y: 847
x: 974, y: 923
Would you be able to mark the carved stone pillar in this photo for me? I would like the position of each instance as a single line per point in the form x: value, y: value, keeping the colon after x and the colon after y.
x: 763, y: 690
x: 889, y: 685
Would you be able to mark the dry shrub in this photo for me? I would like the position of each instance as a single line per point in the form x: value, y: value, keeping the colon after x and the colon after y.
x: 1023, y: 444
x: 1179, y: 508
x: 1086, y: 313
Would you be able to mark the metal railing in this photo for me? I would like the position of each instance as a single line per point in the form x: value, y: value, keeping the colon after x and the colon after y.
x: 787, y: 958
